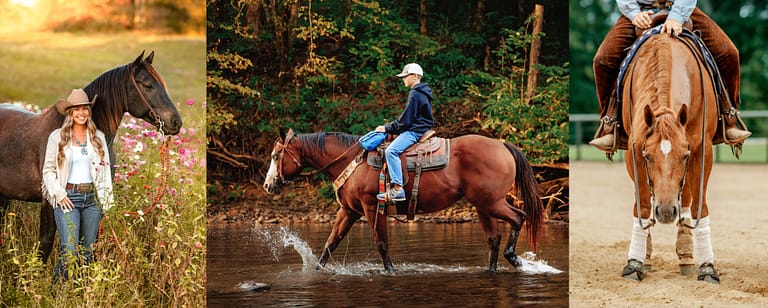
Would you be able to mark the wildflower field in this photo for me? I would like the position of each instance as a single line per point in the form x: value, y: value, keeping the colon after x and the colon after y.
x: 151, y: 251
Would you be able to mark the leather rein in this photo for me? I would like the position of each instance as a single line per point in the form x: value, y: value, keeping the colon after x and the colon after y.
x: 280, y: 151
x: 698, y: 56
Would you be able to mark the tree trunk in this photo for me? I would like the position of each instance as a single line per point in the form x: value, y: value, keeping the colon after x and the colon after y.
x: 423, y: 17
x: 478, y: 20
x: 533, y: 72
x: 284, y: 16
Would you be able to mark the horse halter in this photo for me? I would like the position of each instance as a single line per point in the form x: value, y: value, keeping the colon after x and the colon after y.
x: 280, y: 151
x: 145, y: 100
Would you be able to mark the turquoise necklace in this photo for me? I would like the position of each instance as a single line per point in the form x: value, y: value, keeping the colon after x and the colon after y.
x: 83, y: 149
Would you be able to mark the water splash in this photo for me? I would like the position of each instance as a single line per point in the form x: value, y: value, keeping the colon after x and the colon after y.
x: 277, y: 240
x: 533, y: 266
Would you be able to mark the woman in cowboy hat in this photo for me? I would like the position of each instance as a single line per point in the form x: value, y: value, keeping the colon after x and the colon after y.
x: 77, y: 179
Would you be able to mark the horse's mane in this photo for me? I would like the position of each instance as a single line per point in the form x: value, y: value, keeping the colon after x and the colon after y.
x: 318, y: 139
x: 654, y: 84
x: 657, y: 81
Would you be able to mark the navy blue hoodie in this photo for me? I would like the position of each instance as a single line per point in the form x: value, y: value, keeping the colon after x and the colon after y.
x: 417, y: 116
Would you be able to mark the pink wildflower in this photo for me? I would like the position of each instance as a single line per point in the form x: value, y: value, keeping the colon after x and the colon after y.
x: 190, y: 102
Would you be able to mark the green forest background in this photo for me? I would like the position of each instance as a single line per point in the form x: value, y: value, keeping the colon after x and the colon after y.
x: 328, y: 65
x: 743, y: 21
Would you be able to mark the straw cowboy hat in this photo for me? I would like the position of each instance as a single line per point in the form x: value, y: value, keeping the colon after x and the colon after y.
x: 76, y: 98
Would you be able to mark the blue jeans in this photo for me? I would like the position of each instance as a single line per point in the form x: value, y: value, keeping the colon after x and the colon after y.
x: 79, y: 227
x: 393, y: 151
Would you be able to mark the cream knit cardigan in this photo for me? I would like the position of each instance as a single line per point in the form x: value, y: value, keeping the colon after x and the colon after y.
x: 55, y: 178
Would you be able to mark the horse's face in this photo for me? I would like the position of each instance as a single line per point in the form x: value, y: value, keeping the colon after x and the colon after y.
x: 665, y: 154
x: 148, y: 97
x: 285, y: 162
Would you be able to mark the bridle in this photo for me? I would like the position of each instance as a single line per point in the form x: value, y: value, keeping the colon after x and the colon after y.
x: 650, y: 182
x: 280, y: 151
x: 145, y: 100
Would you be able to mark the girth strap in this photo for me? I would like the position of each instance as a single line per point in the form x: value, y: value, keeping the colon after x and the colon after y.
x: 415, y: 192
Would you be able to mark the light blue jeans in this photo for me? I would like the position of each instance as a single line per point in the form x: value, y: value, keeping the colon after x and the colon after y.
x: 393, y: 151
x: 79, y: 227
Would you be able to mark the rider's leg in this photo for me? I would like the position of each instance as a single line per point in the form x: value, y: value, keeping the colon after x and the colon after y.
x: 606, y: 68
x: 727, y: 57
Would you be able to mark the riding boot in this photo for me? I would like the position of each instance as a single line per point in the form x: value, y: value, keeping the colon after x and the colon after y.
x: 732, y: 124
x: 605, y: 136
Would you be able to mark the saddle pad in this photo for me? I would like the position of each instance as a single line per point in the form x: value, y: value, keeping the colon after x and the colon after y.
x: 435, y: 154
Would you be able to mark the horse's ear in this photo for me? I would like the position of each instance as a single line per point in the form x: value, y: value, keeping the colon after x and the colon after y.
x: 648, y: 116
x: 683, y: 116
x: 282, y: 134
x: 150, y: 57
x: 138, y: 60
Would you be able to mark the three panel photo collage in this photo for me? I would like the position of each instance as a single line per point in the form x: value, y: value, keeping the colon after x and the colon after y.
x: 364, y: 153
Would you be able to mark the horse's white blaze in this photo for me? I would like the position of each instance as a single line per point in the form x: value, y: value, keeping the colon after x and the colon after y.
x: 272, y: 173
x: 666, y: 147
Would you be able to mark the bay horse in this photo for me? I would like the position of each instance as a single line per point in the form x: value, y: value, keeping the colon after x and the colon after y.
x: 136, y: 88
x: 669, y: 104
x: 481, y: 169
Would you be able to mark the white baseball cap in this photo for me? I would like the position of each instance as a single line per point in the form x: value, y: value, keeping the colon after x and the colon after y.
x: 411, y: 68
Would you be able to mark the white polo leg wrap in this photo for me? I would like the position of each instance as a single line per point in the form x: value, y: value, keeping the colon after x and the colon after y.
x: 639, y: 239
x: 702, y: 244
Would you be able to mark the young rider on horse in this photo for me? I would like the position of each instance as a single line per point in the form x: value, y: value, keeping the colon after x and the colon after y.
x: 636, y: 13
x: 416, y: 120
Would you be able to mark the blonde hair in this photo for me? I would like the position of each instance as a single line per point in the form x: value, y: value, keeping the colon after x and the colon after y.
x: 66, y: 135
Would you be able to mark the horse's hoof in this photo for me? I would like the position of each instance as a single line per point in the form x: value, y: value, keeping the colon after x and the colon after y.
x: 687, y: 269
x: 390, y: 269
x: 633, y: 270
x: 513, y: 259
x: 708, y: 273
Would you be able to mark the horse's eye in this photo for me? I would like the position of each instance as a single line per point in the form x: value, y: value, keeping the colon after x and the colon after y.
x: 274, y: 157
x: 646, y: 156
x: 148, y: 86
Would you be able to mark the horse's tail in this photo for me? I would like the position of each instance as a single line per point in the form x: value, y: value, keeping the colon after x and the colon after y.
x: 527, y: 190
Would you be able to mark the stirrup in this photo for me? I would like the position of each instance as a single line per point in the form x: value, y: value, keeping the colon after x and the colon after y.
x: 609, y: 151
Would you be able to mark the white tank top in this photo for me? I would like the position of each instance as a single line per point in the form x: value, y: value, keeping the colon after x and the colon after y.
x: 80, y: 170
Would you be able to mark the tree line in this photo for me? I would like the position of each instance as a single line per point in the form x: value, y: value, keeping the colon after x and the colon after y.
x: 329, y: 65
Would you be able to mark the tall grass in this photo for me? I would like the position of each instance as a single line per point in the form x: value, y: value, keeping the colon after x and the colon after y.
x: 154, y: 259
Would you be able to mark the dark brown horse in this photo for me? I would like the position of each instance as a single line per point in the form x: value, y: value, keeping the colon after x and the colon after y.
x: 481, y: 169
x: 670, y: 106
x: 136, y: 88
